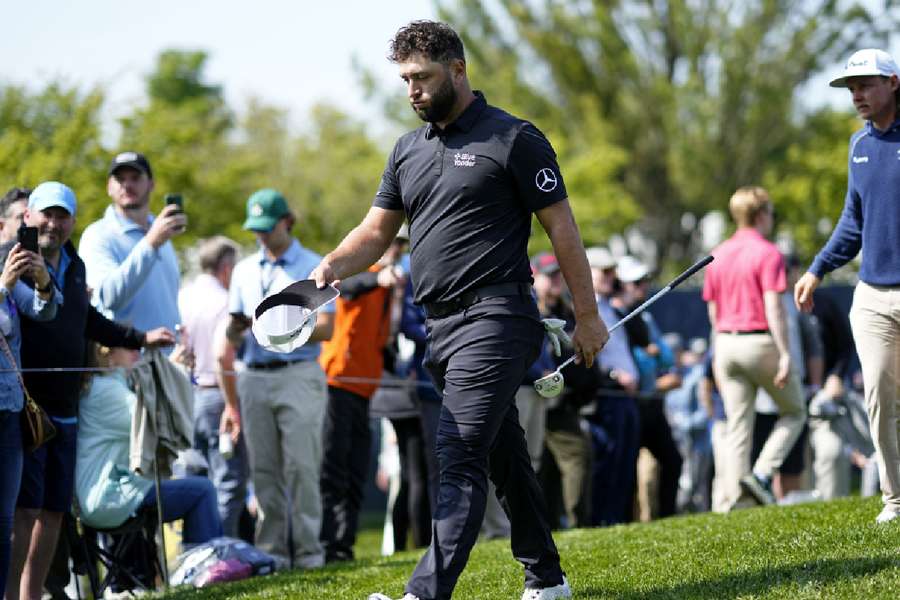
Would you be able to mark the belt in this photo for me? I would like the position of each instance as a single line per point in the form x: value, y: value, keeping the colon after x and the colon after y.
x: 436, y: 310
x: 271, y: 366
x: 750, y: 332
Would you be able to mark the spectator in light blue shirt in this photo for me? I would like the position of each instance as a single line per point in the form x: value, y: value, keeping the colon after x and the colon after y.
x: 282, y: 396
x: 131, y: 264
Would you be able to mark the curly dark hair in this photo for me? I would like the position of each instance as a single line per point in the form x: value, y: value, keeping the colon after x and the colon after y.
x: 435, y: 40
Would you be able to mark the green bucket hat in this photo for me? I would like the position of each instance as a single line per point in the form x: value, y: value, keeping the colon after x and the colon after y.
x: 264, y: 208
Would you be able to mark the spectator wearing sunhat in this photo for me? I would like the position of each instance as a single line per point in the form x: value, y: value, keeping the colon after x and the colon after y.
x: 615, y: 424
x: 280, y: 399
x: 131, y: 264
x: 657, y: 375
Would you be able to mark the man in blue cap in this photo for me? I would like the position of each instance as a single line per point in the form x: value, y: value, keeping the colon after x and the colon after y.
x: 48, y: 472
x: 282, y: 396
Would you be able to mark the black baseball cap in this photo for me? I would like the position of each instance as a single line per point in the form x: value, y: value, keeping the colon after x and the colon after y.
x: 134, y: 160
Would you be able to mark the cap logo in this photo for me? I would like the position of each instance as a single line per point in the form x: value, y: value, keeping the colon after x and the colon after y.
x: 861, y: 63
x: 545, y: 180
x: 126, y: 157
x: 256, y: 210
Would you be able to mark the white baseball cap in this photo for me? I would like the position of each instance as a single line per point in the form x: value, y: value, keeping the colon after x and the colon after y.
x: 600, y: 258
x: 630, y: 270
x: 285, y: 321
x: 870, y: 61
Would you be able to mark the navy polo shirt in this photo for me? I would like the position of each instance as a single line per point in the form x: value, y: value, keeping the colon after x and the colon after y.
x: 468, y: 192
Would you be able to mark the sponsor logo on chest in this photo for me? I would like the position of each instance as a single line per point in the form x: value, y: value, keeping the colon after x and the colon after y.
x: 462, y: 159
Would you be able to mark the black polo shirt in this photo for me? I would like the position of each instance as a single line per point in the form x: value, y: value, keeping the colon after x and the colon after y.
x: 468, y: 192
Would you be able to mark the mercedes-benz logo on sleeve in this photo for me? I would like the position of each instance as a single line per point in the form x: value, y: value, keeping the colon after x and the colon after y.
x: 546, y: 180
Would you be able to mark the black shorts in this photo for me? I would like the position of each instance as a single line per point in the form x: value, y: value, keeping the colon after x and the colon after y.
x: 48, y: 473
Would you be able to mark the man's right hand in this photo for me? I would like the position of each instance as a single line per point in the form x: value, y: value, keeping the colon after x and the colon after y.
x: 230, y: 422
x: 589, y: 338
x: 784, y: 371
x: 803, y: 291
x: 324, y: 275
x: 624, y: 379
x: 17, y: 263
x: 170, y: 222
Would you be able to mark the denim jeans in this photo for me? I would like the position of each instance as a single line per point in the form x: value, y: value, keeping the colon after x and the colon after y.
x: 192, y: 499
x: 230, y: 475
x: 10, y: 478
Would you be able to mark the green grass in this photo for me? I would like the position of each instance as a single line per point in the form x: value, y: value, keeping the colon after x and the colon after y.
x: 812, y: 551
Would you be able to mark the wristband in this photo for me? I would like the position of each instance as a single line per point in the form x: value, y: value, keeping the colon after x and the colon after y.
x: 46, y: 289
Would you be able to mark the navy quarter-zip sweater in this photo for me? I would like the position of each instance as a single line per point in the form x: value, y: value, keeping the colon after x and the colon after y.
x: 62, y: 342
x: 870, y: 220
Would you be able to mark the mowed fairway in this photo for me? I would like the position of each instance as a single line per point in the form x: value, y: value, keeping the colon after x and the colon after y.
x: 812, y: 551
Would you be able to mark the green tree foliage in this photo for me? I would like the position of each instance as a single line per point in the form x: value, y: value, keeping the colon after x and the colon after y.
x: 53, y: 135
x: 183, y: 130
x: 199, y: 148
x: 694, y: 97
x: 809, y: 185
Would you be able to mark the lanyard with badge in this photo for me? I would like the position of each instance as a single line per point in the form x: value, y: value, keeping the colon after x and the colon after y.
x: 264, y: 285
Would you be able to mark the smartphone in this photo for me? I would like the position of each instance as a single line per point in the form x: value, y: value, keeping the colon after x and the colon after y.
x: 175, y: 199
x: 28, y: 238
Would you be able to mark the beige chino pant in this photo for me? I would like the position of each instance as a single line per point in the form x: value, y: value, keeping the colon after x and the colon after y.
x: 282, y: 412
x: 742, y: 364
x: 875, y: 319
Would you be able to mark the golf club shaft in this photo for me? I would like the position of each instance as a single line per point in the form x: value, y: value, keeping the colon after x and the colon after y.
x: 672, y: 285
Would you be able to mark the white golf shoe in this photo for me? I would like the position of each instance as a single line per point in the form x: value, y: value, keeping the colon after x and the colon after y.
x: 887, y: 515
x: 551, y: 593
x: 383, y: 597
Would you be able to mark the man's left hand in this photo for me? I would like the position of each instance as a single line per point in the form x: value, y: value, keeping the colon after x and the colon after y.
x: 589, y: 338
x: 160, y: 336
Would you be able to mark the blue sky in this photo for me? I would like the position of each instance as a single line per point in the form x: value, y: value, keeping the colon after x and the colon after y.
x: 289, y: 53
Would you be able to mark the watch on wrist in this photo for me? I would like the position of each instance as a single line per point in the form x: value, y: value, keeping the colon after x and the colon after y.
x: 47, y: 288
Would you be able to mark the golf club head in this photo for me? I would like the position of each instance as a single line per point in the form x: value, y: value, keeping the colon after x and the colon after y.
x: 550, y: 386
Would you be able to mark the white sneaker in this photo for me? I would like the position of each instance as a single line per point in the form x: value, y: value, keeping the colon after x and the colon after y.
x: 887, y: 514
x: 551, y: 593
x: 383, y: 597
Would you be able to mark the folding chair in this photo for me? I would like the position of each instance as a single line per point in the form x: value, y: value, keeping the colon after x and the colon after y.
x: 125, y: 553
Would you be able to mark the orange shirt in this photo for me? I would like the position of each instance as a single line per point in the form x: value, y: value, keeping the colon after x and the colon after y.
x: 361, y: 328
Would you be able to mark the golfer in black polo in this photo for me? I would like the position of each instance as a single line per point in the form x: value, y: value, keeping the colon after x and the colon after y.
x: 468, y: 182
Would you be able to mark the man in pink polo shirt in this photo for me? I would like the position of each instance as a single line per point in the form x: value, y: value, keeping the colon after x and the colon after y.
x: 743, y: 288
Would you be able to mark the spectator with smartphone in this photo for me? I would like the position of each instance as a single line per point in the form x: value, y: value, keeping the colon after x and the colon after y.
x: 16, y: 299
x: 131, y: 264
x: 48, y: 472
x: 12, y: 209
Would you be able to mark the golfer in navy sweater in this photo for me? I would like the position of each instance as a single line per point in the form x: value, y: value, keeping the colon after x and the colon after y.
x: 871, y: 222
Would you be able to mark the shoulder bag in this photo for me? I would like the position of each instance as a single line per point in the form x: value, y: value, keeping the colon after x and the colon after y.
x: 37, y: 428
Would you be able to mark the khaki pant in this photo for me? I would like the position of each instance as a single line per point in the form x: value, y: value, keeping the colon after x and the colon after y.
x: 282, y: 412
x: 742, y: 364
x: 533, y: 418
x: 722, y: 464
x: 830, y: 465
x: 875, y: 318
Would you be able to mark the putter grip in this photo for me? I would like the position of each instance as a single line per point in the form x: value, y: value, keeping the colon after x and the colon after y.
x: 694, y: 268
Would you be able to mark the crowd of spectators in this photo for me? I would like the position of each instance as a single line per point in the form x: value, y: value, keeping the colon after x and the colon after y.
x: 285, y: 439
